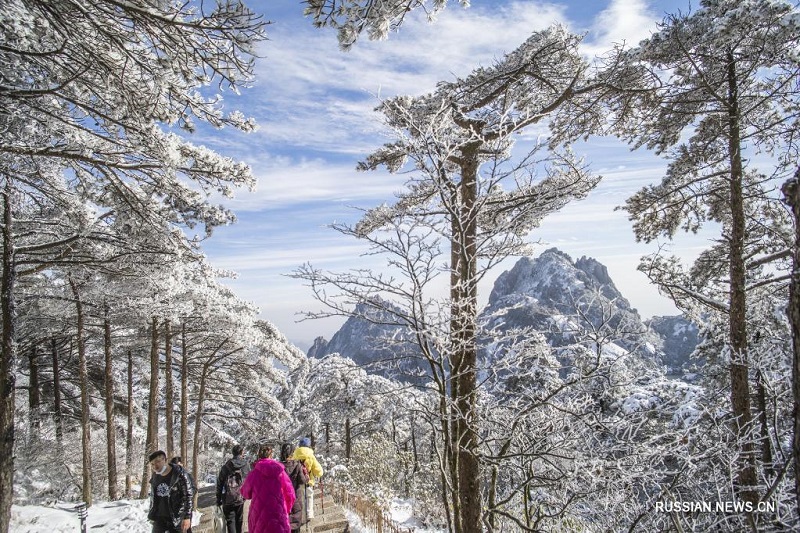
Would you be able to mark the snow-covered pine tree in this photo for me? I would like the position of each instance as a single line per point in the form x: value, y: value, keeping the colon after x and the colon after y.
x: 468, y: 189
x: 791, y: 193
x: 89, y: 89
x: 723, y: 106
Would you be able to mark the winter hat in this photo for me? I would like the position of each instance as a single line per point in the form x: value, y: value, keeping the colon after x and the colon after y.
x: 305, y: 441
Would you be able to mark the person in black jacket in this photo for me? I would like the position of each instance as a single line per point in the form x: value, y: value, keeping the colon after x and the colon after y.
x: 229, y: 481
x: 297, y: 472
x: 171, y: 496
x: 177, y: 460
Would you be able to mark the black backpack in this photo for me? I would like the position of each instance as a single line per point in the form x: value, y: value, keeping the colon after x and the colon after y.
x: 233, y: 488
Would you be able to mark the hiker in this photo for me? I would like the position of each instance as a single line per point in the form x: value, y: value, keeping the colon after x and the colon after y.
x: 171, y: 496
x: 305, y: 454
x: 298, y: 475
x: 229, y: 485
x: 271, y: 493
x: 177, y: 460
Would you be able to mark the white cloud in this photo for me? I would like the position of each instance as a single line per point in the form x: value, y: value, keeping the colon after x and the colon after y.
x: 315, y: 106
x: 313, y: 96
x: 623, y: 21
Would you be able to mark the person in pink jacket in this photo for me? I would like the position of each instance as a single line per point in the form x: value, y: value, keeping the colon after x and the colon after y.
x: 271, y: 493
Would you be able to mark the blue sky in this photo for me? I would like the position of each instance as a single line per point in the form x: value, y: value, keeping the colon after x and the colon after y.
x: 314, y: 105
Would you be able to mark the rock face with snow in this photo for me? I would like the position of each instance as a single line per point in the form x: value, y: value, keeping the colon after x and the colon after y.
x: 564, y: 299
x: 680, y: 339
x: 550, y: 294
x: 372, y: 339
x: 318, y: 348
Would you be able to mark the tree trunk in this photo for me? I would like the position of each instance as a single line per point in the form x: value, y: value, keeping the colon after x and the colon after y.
x: 198, y: 419
x: 740, y: 386
x: 129, y: 432
x: 151, y: 444
x: 57, y: 394
x: 34, y: 397
x: 456, y: 358
x: 414, y: 450
x: 791, y: 194
x: 8, y: 363
x: 184, y: 396
x: 168, y: 392
x: 347, y: 442
x: 492, y: 503
x: 111, y: 427
x: 464, y: 292
x: 83, y: 374
x: 449, y: 494
x: 768, y: 463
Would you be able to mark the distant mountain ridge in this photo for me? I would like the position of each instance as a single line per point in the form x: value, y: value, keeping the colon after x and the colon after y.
x: 372, y: 340
x: 543, y: 294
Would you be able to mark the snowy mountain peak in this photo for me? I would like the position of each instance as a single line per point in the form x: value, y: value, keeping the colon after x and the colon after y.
x: 554, y: 280
x: 538, y: 294
x: 318, y: 348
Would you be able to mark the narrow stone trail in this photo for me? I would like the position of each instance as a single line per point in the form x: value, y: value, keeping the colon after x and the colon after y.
x: 329, y: 520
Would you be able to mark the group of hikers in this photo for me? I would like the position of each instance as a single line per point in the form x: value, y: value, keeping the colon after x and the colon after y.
x: 281, y: 492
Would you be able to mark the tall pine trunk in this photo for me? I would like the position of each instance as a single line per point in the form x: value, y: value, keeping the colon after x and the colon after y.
x: 463, y: 293
x: 198, y: 418
x: 151, y: 443
x: 129, y: 432
x: 34, y: 397
x: 348, y: 445
x: 791, y: 194
x: 740, y: 386
x: 169, y: 394
x: 767, y: 460
x: 184, y: 396
x: 57, y: 416
x: 111, y: 427
x: 449, y: 499
x: 8, y: 363
x: 83, y: 376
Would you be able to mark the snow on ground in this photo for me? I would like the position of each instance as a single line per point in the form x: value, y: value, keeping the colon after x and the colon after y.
x: 128, y: 516
x: 402, y: 512
x: 356, y: 525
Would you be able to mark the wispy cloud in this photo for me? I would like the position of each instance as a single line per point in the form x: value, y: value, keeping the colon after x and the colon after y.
x: 313, y: 96
x: 315, y: 106
x: 623, y: 21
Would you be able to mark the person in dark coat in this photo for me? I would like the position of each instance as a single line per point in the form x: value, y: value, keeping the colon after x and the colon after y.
x: 233, y: 510
x: 177, y: 460
x: 171, y: 496
x: 298, y: 475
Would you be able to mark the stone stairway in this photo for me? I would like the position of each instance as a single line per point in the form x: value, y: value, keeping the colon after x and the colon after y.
x: 329, y: 520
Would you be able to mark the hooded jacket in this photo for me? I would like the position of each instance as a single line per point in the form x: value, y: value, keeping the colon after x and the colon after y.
x: 233, y: 464
x: 306, y: 454
x: 272, y: 495
x: 181, y: 496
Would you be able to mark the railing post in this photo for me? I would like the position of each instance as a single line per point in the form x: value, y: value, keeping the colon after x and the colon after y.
x: 83, y: 513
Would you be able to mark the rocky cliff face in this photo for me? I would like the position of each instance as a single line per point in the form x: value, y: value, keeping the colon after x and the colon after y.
x: 680, y: 339
x: 551, y: 294
x: 373, y: 339
x: 318, y: 348
x: 564, y: 300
